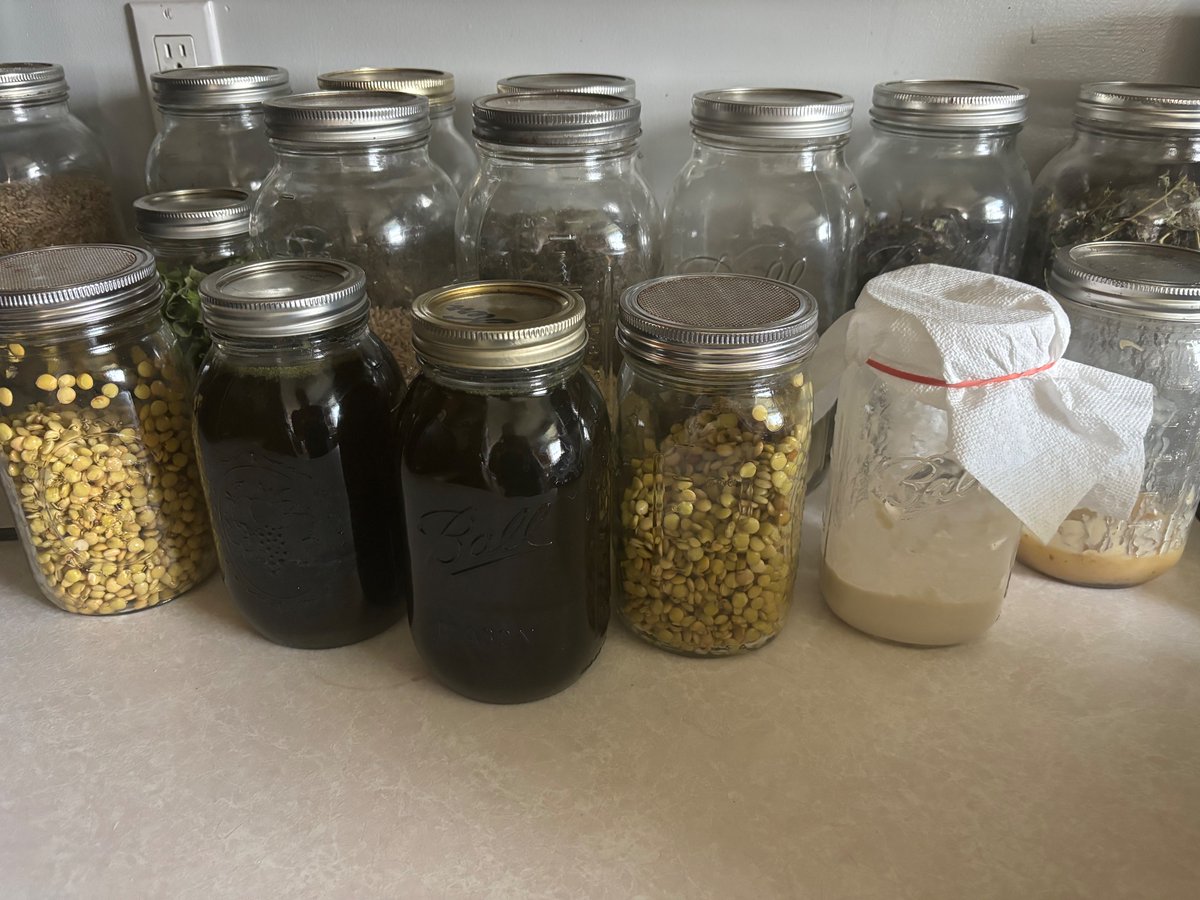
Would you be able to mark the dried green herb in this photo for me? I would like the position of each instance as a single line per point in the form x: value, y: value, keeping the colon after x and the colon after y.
x: 944, y: 235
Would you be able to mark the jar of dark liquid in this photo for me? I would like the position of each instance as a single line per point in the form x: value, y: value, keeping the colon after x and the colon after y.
x: 504, y: 476
x: 295, y: 408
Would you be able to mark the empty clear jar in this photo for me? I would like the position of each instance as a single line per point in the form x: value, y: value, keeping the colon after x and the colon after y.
x: 713, y: 436
x: 55, y: 182
x: 95, y: 431
x: 353, y: 180
x: 1134, y: 309
x: 1131, y: 173
x: 448, y: 148
x: 943, y: 179
x: 213, y: 133
x: 559, y: 199
x: 193, y: 233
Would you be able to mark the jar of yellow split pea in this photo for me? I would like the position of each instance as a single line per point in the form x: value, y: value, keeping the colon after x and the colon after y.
x: 96, y: 453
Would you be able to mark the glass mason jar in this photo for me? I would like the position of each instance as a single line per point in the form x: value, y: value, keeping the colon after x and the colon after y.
x: 295, y: 408
x: 505, y: 482
x: 212, y: 132
x: 95, y: 431
x: 55, y: 182
x: 942, y: 177
x: 713, y: 436
x: 193, y: 233
x: 559, y: 199
x: 1135, y: 310
x: 571, y: 83
x: 767, y: 192
x: 1131, y: 173
x: 353, y: 180
x: 447, y: 146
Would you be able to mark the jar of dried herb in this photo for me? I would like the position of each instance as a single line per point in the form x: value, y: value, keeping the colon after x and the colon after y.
x: 1131, y: 173
x: 193, y: 233
x: 353, y: 181
x: 943, y: 179
x: 55, y: 181
x: 559, y: 199
x: 713, y: 433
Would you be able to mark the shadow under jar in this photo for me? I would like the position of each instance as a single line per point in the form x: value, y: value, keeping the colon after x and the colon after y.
x: 95, y: 431
x: 713, y: 432
x: 212, y: 133
x: 505, y: 481
x: 295, y: 410
x: 943, y: 179
x: 353, y: 180
x: 1134, y: 309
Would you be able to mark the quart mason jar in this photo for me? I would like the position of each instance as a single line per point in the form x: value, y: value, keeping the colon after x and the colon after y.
x: 95, y: 431
x: 55, y: 182
x: 559, y: 199
x: 713, y: 435
x: 943, y: 179
x: 192, y: 233
x: 569, y: 82
x: 767, y: 192
x: 448, y: 148
x: 504, y: 464
x: 295, y: 408
x: 212, y: 133
x: 1135, y: 310
x: 1131, y: 173
x: 353, y: 180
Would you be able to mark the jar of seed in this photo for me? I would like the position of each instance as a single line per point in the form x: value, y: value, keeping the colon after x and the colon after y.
x: 713, y: 432
x: 95, y: 430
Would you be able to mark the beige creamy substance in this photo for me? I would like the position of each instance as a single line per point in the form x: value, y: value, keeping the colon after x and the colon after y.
x: 1114, y: 567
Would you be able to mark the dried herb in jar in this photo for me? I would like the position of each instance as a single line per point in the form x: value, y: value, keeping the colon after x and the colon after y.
x: 56, y: 209
x: 944, y: 236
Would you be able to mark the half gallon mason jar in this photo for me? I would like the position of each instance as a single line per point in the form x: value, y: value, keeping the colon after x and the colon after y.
x: 1134, y: 309
x: 559, y: 199
x: 569, y: 82
x: 504, y: 473
x: 353, y: 180
x: 212, y: 133
x: 943, y: 179
x: 1131, y: 173
x: 193, y: 233
x: 95, y: 431
x: 713, y: 435
x: 295, y: 408
x: 55, y: 182
x: 447, y: 146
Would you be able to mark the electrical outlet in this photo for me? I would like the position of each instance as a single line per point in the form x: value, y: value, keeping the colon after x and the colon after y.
x: 175, y: 51
x: 175, y: 35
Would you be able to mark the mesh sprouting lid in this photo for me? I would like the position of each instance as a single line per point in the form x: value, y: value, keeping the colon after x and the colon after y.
x: 717, y: 322
x: 1148, y: 280
x: 72, y: 285
x: 433, y: 84
x: 283, y: 297
x: 31, y: 82
x: 1170, y: 107
x: 570, y: 82
x: 779, y: 113
x: 193, y: 213
x: 949, y: 104
x: 218, y: 87
x: 556, y: 119
x: 348, y: 118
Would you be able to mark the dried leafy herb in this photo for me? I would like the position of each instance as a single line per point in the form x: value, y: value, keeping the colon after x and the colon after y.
x: 944, y: 235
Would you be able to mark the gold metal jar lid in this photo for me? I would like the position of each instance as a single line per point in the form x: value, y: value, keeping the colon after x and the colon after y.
x: 433, y: 84
x: 498, y: 325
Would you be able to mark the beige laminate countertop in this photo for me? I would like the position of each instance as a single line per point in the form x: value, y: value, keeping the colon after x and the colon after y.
x: 175, y: 754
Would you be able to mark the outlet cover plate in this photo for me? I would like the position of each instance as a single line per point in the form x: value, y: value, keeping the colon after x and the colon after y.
x: 163, y: 30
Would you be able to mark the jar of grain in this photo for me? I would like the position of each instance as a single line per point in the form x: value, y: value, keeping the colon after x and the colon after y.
x: 55, y: 182
x: 95, y: 430
x: 713, y: 435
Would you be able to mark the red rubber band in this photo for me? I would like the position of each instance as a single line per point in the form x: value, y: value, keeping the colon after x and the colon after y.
x: 937, y: 382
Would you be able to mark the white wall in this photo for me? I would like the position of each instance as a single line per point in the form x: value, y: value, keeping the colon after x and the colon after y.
x: 670, y: 48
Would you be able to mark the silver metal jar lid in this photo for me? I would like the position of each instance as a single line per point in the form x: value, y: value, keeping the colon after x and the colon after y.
x: 556, y: 119
x: 1148, y: 280
x: 949, y: 104
x: 193, y: 213
x: 348, y: 118
x: 433, y: 84
x: 569, y: 82
x: 711, y: 324
x: 81, y: 284
x: 1156, y: 107
x: 498, y: 325
x: 29, y: 83
x: 770, y: 113
x: 283, y: 298
x: 218, y: 87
